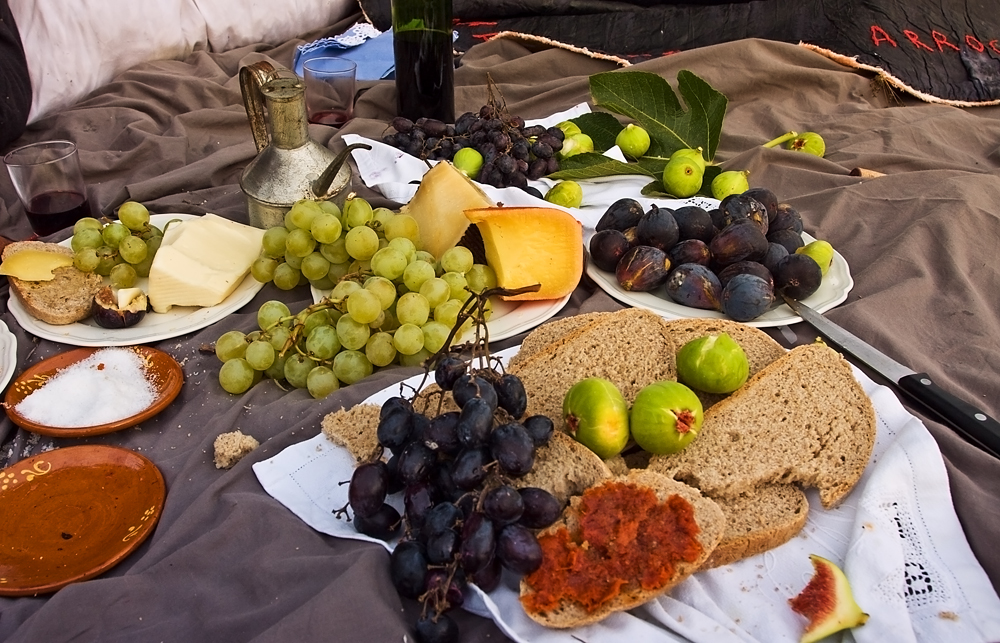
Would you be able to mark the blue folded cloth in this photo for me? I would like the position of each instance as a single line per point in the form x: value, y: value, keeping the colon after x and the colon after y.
x: 370, y: 48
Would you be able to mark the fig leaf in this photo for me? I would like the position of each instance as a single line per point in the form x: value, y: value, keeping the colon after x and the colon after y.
x: 591, y: 165
x: 601, y: 127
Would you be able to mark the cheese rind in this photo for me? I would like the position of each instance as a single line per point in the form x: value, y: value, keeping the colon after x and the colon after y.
x: 34, y: 265
x: 201, y: 261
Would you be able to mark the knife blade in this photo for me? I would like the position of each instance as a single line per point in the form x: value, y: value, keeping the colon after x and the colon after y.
x: 972, y: 423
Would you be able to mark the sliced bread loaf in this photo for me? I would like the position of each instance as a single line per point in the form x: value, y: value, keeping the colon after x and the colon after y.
x: 802, y: 419
x: 64, y: 299
x: 564, y: 468
x: 759, y: 520
x: 634, y: 586
x: 355, y: 429
x: 547, y: 333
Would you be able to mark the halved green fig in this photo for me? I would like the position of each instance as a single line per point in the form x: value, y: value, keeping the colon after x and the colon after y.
x: 827, y: 601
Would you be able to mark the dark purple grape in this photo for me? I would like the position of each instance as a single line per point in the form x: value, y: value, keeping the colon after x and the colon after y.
x: 415, y: 462
x: 474, y: 423
x: 541, y: 508
x: 469, y: 386
x: 368, y: 487
x: 513, y: 449
x: 442, y: 516
x: 540, y: 428
x: 408, y: 568
x: 488, y: 578
x: 468, y: 469
x: 533, y: 130
x: 442, y: 433
x: 434, y: 127
x: 511, y: 396
x: 440, y: 479
x: 392, y: 404
x: 418, y: 500
x: 395, y: 484
x: 537, y: 169
x: 395, y: 428
x: 436, y: 628
x: 402, y: 124
x: 518, y: 549
x: 746, y: 297
x: 503, y: 504
x: 478, y: 543
x: 453, y: 591
x: 541, y: 150
x: 383, y: 524
x: 463, y: 122
x: 441, y: 547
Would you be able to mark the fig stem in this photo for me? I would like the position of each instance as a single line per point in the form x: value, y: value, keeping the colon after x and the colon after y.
x: 781, y: 139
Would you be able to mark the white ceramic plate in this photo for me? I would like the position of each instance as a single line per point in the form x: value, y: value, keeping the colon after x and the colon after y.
x: 509, y: 317
x: 180, y: 320
x: 8, y: 354
x: 832, y: 291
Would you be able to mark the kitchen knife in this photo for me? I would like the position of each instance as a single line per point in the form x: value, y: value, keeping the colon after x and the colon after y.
x: 975, y: 425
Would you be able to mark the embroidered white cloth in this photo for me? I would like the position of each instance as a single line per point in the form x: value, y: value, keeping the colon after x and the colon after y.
x: 896, y: 536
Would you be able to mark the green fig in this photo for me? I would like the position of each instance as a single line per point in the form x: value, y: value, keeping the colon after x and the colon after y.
x: 730, y: 182
x: 596, y: 415
x: 469, y: 161
x: 665, y: 417
x: 568, y: 194
x: 633, y: 141
x: 682, y: 177
x: 827, y: 601
x: 808, y: 142
x: 714, y: 364
x: 691, y: 154
x: 569, y: 128
x: 821, y: 251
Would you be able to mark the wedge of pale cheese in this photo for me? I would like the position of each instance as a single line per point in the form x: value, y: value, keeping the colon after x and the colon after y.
x: 201, y: 261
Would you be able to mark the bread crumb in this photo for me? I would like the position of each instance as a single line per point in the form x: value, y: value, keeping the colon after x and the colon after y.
x: 231, y: 447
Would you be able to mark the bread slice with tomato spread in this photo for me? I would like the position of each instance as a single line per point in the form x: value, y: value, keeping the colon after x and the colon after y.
x: 618, y: 545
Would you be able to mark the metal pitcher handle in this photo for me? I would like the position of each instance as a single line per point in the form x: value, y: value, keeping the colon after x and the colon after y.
x: 252, y: 78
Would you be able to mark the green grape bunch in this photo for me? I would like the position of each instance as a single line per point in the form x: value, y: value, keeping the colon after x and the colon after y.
x: 388, y: 302
x: 121, y: 250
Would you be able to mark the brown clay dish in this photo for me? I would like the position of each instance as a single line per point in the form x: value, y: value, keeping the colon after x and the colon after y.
x: 162, y: 371
x: 70, y: 514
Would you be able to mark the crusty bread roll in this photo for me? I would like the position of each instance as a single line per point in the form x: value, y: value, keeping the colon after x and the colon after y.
x: 66, y: 298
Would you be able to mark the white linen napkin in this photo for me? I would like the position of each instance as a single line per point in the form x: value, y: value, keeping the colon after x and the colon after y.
x: 896, y: 536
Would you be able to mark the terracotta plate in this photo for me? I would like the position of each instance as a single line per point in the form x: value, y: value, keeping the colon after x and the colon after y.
x: 73, y: 513
x: 162, y: 371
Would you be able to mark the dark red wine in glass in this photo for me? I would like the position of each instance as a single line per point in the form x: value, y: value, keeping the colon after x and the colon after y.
x: 50, y: 212
x: 334, y: 117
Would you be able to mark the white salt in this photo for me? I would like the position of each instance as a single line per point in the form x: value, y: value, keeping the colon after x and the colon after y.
x: 108, y: 386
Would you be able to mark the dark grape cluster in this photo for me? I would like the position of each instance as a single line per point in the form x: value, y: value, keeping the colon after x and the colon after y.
x: 512, y: 153
x: 463, y: 519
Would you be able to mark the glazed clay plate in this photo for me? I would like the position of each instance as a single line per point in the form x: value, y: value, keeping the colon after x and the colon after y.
x: 162, y: 371
x: 70, y: 514
x: 8, y: 355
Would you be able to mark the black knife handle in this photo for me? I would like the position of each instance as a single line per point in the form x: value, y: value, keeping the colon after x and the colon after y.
x: 964, y: 417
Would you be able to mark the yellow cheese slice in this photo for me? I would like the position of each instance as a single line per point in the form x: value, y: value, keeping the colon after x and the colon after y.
x: 34, y: 265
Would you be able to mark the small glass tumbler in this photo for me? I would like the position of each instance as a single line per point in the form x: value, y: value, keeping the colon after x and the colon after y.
x: 49, y: 182
x: 329, y: 85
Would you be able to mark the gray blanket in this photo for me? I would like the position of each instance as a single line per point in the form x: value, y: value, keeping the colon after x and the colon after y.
x: 228, y: 563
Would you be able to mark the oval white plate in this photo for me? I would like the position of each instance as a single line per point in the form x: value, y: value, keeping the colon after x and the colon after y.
x: 832, y: 291
x: 8, y: 354
x: 180, y: 320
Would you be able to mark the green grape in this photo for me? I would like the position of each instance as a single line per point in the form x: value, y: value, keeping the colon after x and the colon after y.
x: 123, y: 276
x: 389, y: 263
x: 383, y: 289
x: 358, y: 267
x: 389, y: 321
x: 150, y: 232
x: 376, y: 324
x: 351, y: 366
x: 259, y: 355
x: 457, y: 282
x: 336, y: 252
x: 357, y: 212
x: 380, y: 350
x: 314, y: 320
x: 273, y: 242
x: 271, y: 312
x: 236, y: 376
x: 286, y: 277
x: 153, y: 245
x: 315, y: 266
x: 381, y: 215
x: 361, y: 243
x: 87, y: 223
x: 408, y: 339
x: 405, y: 246
x: 447, y: 313
x: 107, y: 259
x: 321, y: 381
x: 231, y: 345
x: 276, y: 371
x: 297, y: 369
x: 113, y: 234
x: 323, y: 283
x: 436, y: 290
x: 322, y: 343
x: 329, y: 207
x: 423, y: 255
x: 299, y: 243
x: 435, y: 335
x: 363, y: 306
x: 133, y: 215
x: 86, y: 259
x: 263, y: 269
x: 413, y: 308
x: 481, y: 277
x: 353, y: 336
x: 278, y: 336
x: 343, y: 289
x: 416, y: 273
x: 293, y: 261
x: 86, y: 238
x: 132, y: 249
x: 458, y: 259
x: 402, y: 225
x: 337, y: 272
x: 302, y: 213
x: 142, y: 268
x: 326, y: 228
x: 417, y: 359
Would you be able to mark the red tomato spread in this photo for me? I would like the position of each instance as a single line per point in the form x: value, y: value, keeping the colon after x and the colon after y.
x: 627, y: 539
